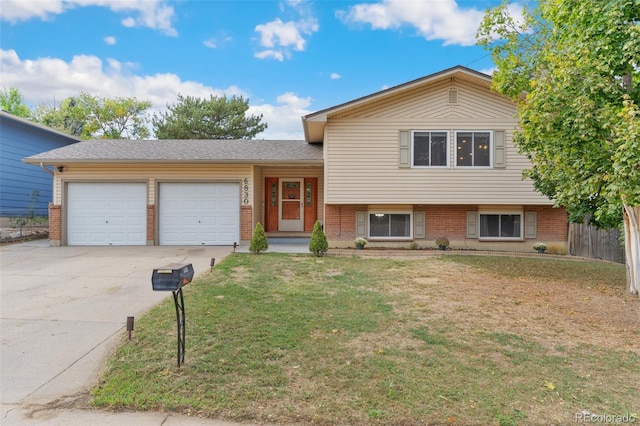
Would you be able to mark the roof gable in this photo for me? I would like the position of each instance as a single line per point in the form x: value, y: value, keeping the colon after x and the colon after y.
x: 31, y: 125
x: 386, y: 100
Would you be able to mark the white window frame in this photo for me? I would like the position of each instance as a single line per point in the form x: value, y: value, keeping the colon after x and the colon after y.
x: 491, y: 148
x: 396, y: 212
x: 447, y: 149
x: 501, y: 213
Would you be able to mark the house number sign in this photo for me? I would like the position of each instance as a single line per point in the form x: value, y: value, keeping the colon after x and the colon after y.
x: 245, y: 191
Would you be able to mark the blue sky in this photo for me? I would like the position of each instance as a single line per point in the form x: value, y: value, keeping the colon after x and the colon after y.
x: 289, y: 58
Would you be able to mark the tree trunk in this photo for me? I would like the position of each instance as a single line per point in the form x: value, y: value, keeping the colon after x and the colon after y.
x: 632, y: 247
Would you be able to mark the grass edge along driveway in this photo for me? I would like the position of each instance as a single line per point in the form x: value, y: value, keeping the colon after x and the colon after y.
x: 454, y: 340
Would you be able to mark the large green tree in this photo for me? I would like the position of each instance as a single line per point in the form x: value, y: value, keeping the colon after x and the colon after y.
x: 11, y: 102
x: 213, y: 118
x: 93, y: 117
x: 573, y: 67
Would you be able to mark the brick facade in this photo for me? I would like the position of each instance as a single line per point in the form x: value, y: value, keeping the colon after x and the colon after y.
x: 246, y: 222
x: 552, y: 223
x: 449, y: 221
x: 55, y: 224
x: 151, y: 225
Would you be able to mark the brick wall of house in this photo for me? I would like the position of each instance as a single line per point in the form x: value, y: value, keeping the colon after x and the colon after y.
x: 449, y: 221
x: 55, y: 224
x: 246, y: 222
x: 151, y: 224
x: 552, y: 223
x: 340, y: 221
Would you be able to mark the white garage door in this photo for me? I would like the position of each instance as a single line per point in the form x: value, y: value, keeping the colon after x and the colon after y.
x: 106, y: 213
x: 199, y: 213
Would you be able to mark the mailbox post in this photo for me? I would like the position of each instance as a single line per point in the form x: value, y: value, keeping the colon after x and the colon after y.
x: 172, y: 278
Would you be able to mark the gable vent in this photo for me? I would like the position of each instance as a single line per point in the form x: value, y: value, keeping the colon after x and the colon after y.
x: 453, y: 96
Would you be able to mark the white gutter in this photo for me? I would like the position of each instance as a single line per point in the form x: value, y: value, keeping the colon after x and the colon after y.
x: 45, y: 169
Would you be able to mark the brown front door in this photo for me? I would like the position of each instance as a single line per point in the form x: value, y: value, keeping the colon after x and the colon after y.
x: 271, y: 204
x: 290, y: 204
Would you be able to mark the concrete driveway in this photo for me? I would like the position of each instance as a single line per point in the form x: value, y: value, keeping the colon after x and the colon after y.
x: 64, y: 309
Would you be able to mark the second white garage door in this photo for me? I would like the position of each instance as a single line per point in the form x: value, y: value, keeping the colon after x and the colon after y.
x: 199, y: 213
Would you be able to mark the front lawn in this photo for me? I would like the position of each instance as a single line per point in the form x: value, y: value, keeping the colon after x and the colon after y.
x: 440, y: 340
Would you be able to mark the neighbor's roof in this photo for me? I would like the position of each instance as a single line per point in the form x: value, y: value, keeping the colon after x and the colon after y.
x: 314, y: 123
x: 4, y: 115
x: 182, y: 151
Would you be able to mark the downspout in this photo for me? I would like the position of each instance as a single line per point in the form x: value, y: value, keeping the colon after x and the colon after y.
x: 42, y: 166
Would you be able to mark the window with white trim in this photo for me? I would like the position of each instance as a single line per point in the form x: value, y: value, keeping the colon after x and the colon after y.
x: 389, y: 225
x: 430, y: 148
x: 501, y: 226
x: 473, y: 149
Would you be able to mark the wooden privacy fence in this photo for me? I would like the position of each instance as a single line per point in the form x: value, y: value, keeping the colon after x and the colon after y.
x: 589, y: 241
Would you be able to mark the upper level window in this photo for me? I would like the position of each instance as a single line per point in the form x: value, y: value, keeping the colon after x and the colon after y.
x: 430, y: 149
x: 390, y: 225
x: 473, y: 149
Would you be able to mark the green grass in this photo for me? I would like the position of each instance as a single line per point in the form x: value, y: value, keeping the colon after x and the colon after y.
x: 291, y: 338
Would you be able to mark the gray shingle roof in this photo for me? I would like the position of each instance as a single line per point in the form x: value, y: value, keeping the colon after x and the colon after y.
x: 183, y: 151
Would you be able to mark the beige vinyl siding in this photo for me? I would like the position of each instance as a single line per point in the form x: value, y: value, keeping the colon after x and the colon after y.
x: 432, y: 102
x: 151, y: 174
x: 362, y: 151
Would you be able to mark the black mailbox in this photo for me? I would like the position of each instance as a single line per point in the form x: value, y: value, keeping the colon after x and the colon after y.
x: 172, y: 277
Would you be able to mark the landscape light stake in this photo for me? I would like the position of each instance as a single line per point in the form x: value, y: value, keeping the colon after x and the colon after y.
x: 130, y: 325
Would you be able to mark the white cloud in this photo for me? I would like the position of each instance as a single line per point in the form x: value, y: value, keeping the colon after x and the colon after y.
x: 335, y: 76
x: 279, y: 37
x: 284, y: 119
x: 20, y: 10
x: 128, y: 22
x: 50, y: 80
x: 47, y: 80
x: 489, y: 71
x: 275, y: 54
x: 214, y: 43
x: 110, y: 40
x: 434, y: 20
x: 147, y: 13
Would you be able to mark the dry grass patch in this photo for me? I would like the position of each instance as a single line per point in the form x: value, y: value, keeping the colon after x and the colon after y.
x: 332, y: 341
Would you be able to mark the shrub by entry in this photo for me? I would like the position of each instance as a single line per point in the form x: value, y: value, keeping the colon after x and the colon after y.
x: 318, y: 244
x: 259, y: 240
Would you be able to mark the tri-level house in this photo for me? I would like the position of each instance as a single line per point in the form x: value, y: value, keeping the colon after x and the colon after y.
x: 432, y: 157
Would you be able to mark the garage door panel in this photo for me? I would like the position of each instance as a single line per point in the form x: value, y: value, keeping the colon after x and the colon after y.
x: 199, y: 213
x: 106, y: 213
x: 227, y: 220
x: 209, y: 220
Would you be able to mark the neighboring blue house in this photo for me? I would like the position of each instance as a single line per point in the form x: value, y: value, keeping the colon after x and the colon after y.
x: 20, y: 138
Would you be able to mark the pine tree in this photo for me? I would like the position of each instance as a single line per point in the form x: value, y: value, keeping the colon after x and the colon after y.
x: 259, y: 240
x: 318, y: 244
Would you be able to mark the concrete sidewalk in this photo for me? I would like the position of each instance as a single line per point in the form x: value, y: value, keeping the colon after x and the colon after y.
x: 19, y: 416
x: 63, y: 310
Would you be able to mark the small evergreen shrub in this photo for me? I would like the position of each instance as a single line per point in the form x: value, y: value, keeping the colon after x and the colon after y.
x: 259, y: 240
x: 318, y: 244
